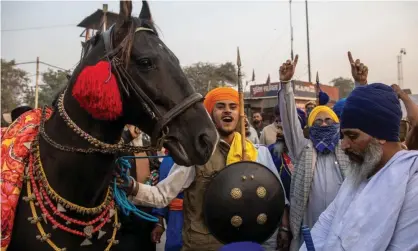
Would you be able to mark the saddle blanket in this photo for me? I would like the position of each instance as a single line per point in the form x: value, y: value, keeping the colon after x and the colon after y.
x: 15, y: 150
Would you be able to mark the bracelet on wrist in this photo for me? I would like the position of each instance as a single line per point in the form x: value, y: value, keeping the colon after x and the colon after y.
x: 284, y: 229
x: 160, y: 225
x: 285, y: 81
x: 135, y: 187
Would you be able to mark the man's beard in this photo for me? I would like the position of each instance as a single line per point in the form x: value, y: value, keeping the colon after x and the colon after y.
x: 256, y: 122
x: 360, y: 171
x: 225, y: 133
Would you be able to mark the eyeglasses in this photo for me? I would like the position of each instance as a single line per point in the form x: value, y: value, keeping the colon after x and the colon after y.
x: 320, y: 122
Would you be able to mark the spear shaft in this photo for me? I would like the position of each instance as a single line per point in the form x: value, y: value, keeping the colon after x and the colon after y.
x: 241, y: 106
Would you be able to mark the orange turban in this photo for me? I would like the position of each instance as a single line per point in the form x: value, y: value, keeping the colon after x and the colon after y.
x: 218, y: 94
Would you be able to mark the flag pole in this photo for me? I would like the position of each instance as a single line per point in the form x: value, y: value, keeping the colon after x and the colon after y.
x: 241, y: 106
x: 317, y: 88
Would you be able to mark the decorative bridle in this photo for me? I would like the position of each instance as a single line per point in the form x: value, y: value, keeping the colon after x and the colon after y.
x: 128, y: 87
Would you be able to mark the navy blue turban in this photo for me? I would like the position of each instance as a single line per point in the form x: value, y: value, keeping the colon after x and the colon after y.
x: 242, y: 246
x: 323, y: 98
x: 375, y: 110
x: 338, y: 107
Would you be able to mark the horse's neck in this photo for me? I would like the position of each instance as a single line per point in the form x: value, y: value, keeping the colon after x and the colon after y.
x: 80, y: 178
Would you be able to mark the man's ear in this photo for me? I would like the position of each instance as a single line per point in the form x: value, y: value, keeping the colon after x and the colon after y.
x: 381, y: 141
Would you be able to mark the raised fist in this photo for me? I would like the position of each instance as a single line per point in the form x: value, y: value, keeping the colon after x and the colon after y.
x: 401, y: 94
x: 359, y: 71
x: 287, y: 70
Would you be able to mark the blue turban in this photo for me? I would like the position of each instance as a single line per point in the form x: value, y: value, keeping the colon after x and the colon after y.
x: 242, y: 246
x: 323, y: 98
x: 338, y: 107
x: 375, y: 110
x: 301, y: 117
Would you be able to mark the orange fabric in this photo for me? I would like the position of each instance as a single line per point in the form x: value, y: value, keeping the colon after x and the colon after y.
x: 218, y: 94
x: 15, y: 143
x: 176, y: 205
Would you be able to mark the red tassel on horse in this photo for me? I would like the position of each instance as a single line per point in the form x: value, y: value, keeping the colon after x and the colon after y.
x: 97, y: 91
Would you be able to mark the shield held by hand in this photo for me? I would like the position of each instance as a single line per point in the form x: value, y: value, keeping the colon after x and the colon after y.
x: 244, y: 202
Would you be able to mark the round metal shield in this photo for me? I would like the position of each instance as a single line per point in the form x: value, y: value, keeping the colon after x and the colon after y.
x: 243, y: 202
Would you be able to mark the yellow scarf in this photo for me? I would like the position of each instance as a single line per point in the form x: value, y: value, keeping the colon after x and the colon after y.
x: 235, y: 152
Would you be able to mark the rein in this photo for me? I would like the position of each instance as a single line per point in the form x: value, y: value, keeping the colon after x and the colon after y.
x: 121, y: 199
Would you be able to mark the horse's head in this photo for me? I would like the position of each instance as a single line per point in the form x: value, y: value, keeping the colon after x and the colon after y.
x: 129, y: 76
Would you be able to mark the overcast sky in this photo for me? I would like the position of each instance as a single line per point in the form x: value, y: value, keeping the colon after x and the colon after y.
x: 210, y: 31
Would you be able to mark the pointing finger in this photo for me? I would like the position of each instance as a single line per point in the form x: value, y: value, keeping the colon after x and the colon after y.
x: 350, y: 58
x: 295, y: 62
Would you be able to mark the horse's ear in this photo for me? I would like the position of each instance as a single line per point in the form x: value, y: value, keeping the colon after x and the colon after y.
x: 145, y: 11
x: 125, y: 11
x: 123, y: 22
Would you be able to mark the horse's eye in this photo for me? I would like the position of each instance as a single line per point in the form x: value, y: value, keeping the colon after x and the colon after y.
x: 145, y: 63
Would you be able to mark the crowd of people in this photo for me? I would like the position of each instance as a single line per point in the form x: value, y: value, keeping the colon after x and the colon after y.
x: 347, y: 172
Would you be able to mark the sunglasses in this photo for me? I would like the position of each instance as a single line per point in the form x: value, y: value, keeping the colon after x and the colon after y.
x: 320, y: 122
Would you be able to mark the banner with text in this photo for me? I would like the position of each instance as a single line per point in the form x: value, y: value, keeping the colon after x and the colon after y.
x: 301, y: 89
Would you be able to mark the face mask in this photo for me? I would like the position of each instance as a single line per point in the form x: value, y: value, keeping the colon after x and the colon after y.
x: 325, y: 138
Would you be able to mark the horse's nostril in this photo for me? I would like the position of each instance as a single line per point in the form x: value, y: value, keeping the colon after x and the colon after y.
x: 203, y: 144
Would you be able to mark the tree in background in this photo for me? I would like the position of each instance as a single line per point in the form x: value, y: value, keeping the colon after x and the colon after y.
x: 52, y: 83
x: 344, y: 85
x: 14, y: 83
x: 207, y: 76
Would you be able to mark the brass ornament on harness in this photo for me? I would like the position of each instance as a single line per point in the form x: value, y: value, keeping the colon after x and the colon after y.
x: 46, y: 237
x: 63, y: 203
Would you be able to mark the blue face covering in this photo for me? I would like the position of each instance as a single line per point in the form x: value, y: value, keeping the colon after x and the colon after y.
x: 325, y: 138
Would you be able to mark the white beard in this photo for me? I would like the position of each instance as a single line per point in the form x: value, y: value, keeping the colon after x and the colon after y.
x: 372, y: 156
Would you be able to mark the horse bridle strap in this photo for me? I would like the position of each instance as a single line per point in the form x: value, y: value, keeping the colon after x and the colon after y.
x: 126, y: 82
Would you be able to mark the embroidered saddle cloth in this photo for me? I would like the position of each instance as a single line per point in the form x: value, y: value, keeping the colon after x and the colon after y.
x: 15, y: 149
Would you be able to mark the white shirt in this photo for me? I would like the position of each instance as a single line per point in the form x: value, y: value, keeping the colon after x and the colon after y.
x: 180, y: 178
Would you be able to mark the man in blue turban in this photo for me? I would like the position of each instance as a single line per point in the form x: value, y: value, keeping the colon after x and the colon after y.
x: 376, y: 206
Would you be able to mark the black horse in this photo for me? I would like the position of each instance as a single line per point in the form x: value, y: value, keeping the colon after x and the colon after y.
x: 156, y: 97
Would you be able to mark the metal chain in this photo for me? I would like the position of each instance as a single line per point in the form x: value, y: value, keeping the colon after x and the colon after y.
x: 107, y: 149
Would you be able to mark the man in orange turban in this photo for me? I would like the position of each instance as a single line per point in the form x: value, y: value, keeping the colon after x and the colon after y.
x: 222, y: 105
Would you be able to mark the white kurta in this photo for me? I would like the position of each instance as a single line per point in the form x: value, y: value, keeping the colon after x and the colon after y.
x: 380, y: 214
